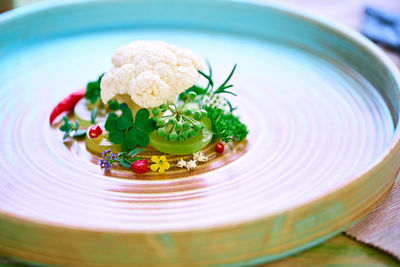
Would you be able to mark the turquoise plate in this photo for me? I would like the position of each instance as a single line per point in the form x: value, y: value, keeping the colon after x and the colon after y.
x: 321, y: 103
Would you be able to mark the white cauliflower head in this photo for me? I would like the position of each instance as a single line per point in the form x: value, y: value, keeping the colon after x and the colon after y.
x: 151, y: 73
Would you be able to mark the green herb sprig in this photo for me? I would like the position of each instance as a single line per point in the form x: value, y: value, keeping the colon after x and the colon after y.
x: 209, y: 92
x: 181, y: 122
x: 69, y: 128
x: 226, y: 125
x: 93, y: 90
x: 124, y: 159
x: 128, y: 132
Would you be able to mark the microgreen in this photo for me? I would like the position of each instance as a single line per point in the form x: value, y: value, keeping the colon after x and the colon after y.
x: 93, y: 90
x: 127, y: 131
x: 69, y: 128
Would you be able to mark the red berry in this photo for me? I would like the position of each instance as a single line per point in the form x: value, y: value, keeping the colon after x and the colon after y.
x: 140, y: 166
x: 95, y: 131
x: 219, y: 148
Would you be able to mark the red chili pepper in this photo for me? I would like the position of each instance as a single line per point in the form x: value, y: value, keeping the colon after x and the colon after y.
x: 67, y: 104
x: 140, y: 166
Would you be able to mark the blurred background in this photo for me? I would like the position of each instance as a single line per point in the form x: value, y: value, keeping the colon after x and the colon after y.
x: 345, y: 11
x: 348, y: 12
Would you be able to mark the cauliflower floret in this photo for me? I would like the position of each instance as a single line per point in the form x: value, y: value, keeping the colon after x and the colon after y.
x: 151, y: 73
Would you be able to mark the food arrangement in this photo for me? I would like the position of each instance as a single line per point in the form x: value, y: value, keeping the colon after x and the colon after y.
x: 151, y: 98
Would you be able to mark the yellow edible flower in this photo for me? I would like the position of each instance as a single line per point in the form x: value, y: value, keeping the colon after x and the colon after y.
x: 160, y: 163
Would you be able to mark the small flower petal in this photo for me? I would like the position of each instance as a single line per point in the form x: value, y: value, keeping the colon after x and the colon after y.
x: 161, y: 170
x: 165, y: 165
x: 191, y: 165
x: 181, y: 164
x: 154, y: 167
x: 163, y: 158
x: 155, y: 159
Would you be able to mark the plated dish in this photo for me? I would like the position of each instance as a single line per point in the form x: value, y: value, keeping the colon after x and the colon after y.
x: 150, y: 98
x: 320, y: 101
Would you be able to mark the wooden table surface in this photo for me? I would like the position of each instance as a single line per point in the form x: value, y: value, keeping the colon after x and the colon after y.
x: 340, y: 250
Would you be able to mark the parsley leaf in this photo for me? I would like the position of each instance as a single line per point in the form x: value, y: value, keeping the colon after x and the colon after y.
x: 226, y: 125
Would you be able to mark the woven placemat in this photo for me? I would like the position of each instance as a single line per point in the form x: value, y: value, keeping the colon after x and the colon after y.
x: 381, y: 228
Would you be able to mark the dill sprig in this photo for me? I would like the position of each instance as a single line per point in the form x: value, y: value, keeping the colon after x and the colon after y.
x: 210, y: 91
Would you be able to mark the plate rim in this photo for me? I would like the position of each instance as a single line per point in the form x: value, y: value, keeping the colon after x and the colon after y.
x: 326, y: 23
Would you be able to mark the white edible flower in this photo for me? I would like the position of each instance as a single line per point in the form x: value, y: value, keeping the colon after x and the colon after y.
x: 151, y: 73
x: 181, y: 164
x: 191, y: 164
x: 200, y: 157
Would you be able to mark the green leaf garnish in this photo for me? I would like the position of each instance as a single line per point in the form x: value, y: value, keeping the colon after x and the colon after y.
x: 130, y: 139
x: 147, y: 125
x: 111, y: 122
x: 124, y: 163
x: 123, y: 130
x: 125, y: 121
x: 68, y: 128
x: 142, y: 139
x: 93, y: 90
x: 113, y: 104
x: 226, y: 125
x: 209, y: 90
x: 93, y: 116
x: 79, y: 133
x: 142, y: 115
x: 65, y: 136
x: 134, y: 152
x: 116, y: 137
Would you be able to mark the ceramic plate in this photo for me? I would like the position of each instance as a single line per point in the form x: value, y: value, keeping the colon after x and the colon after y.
x: 321, y: 103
